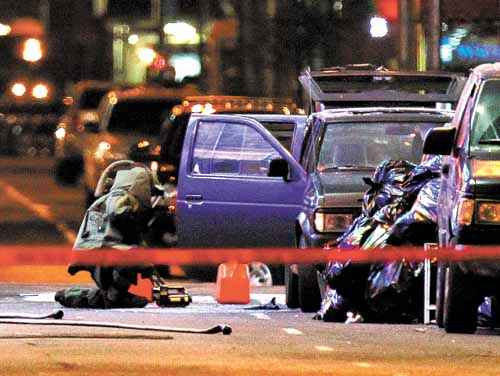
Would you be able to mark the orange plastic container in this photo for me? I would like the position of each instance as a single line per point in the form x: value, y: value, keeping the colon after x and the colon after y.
x: 233, y: 284
x: 143, y: 288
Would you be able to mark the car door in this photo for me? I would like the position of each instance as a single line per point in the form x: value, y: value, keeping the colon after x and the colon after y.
x: 452, y: 174
x: 225, y: 196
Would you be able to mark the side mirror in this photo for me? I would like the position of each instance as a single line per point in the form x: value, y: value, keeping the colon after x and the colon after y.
x: 440, y: 141
x: 91, y: 127
x: 278, y: 168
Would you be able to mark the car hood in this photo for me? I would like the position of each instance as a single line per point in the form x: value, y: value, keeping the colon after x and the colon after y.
x: 342, y: 188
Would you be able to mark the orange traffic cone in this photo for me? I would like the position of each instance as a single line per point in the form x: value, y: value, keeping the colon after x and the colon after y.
x: 233, y: 284
x: 144, y: 288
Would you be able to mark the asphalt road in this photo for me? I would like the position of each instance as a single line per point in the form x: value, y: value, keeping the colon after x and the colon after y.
x: 33, y: 210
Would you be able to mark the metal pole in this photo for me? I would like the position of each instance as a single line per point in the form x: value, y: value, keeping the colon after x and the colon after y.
x: 434, y: 34
x: 404, y: 33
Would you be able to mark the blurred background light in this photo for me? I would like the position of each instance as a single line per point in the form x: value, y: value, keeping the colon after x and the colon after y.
x: 379, y: 27
x: 32, y: 50
x: 146, y: 55
x: 4, y: 29
x: 18, y: 89
x: 181, y: 33
x: 133, y: 39
x: 186, y: 65
x: 40, y: 91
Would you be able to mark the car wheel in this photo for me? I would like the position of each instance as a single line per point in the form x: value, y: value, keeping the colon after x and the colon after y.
x: 259, y: 274
x: 309, y: 293
x: 460, y: 301
x: 307, y: 283
x: 291, y: 288
x: 440, y: 283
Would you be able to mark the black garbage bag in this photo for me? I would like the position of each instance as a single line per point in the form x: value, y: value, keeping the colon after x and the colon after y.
x: 420, y: 175
x: 393, y: 292
x: 348, y: 279
x: 400, y: 207
x: 419, y: 225
x: 334, y: 307
x: 357, y: 233
x: 385, y: 185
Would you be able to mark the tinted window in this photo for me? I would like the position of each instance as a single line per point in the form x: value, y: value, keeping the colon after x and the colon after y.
x: 486, y: 122
x: 231, y: 149
x: 89, y: 100
x: 368, y: 144
x: 139, y: 116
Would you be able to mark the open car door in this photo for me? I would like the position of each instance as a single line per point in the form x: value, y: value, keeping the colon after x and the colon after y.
x: 366, y: 86
x: 238, y: 186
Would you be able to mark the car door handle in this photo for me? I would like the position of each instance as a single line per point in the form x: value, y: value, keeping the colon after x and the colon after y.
x: 194, y: 197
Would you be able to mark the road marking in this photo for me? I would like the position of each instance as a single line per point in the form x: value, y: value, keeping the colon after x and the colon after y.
x: 260, y: 316
x: 293, y: 331
x: 323, y: 348
x: 40, y: 210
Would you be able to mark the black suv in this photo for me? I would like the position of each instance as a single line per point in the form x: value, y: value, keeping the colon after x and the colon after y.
x: 469, y: 200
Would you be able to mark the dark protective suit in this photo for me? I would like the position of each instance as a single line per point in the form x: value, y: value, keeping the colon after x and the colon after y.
x: 117, y: 219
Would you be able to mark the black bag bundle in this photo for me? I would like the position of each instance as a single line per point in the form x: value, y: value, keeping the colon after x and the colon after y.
x: 400, y: 207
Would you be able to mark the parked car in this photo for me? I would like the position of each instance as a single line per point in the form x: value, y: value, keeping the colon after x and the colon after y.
x: 340, y: 148
x: 469, y: 200
x: 346, y: 139
x: 81, y: 116
x: 129, y: 127
x: 273, y: 117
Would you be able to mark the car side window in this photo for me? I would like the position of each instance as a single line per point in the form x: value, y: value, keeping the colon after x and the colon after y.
x: 231, y: 149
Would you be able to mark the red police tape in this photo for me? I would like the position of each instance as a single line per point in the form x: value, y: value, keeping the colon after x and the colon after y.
x: 50, y: 255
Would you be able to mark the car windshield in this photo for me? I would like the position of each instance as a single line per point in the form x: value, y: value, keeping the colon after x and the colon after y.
x: 89, y: 100
x: 486, y: 122
x: 364, y: 145
x: 144, y: 116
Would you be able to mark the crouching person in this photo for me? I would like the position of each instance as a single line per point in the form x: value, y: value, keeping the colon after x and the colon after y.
x: 118, y: 219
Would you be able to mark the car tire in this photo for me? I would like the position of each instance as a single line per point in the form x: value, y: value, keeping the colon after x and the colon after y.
x: 291, y: 288
x: 440, y: 283
x: 309, y: 293
x: 307, y: 284
x: 460, y: 301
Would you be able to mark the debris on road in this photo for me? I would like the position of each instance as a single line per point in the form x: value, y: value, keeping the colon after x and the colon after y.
x: 54, y: 315
x: 221, y: 328
x: 271, y: 305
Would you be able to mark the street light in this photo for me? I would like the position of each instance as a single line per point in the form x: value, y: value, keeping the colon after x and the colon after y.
x: 379, y: 27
